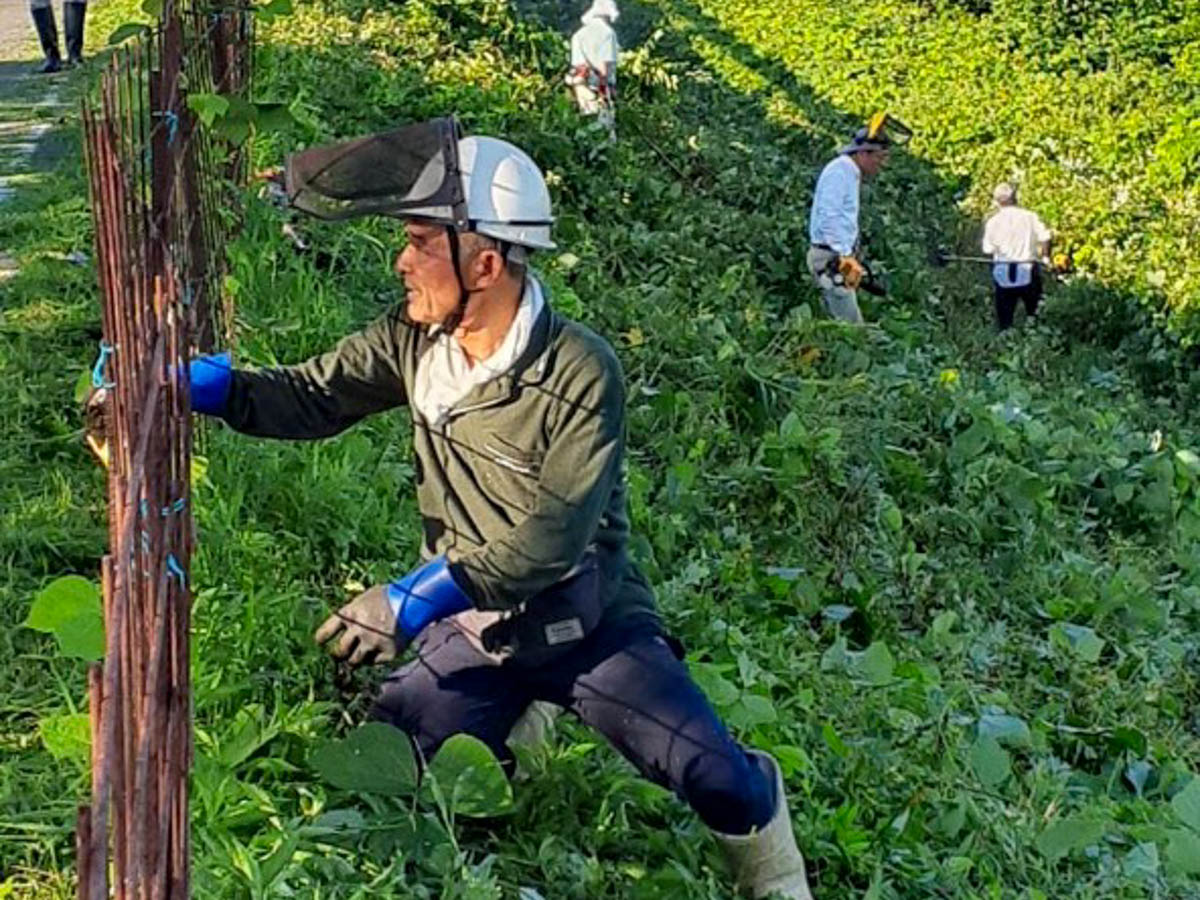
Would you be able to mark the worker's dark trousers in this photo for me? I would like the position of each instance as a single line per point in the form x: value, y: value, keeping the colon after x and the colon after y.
x: 623, y: 681
x: 1008, y: 297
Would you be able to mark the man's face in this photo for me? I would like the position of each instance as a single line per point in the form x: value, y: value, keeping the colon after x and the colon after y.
x: 431, y: 287
x: 871, y: 161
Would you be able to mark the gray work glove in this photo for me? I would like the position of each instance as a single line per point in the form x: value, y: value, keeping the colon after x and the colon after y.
x: 367, y: 627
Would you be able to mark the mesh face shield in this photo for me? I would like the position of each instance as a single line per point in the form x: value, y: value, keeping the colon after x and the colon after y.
x: 409, y: 172
x: 880, y: 133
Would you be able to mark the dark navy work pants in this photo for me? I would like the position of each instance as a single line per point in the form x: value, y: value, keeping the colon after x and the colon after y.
x: 623, y: 681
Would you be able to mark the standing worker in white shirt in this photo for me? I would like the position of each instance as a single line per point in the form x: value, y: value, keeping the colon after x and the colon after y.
x: 593, y: 73
x: 1016, y: 239
x: 833, y: 222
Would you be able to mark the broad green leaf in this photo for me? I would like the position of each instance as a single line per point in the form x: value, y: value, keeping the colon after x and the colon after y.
x: 209, y: 107
x: 61, y: 601
x: 153, y: 8
x: 792, y: 759
x: 952, y: 820
x: 83, y: 386
x: 127, y: 31
x: 67, y: 736
x: 1137, y: 773
x: 272, y: 117
x: 1141, y: 863
x: 69, y: 608
x: 792, y: 430
x: 973, y: 441
x: 720, y: 691
x: 273, y: 10
x: 335, y: 821
x: 990, y: 762
x: 1183, y: 852
x: 1126, y: 738
x: 374, y: 758
x: 875, y: 665
x: 82, y: 637
x: 1080, y: 640
x: 891, y: 517
x: 1189, y: 460
x: 470, y: 778
x: 1005, y: 729
x: 750, y: 711
x: 1070, y: 834
x: 1187, y: 804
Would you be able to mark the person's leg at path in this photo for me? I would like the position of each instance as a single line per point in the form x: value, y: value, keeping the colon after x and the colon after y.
x: 43, y: 20
x: 74, y: 14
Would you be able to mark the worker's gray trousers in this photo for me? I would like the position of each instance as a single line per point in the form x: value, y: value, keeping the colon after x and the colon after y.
x: 841, y: 302
x: 624, y: 681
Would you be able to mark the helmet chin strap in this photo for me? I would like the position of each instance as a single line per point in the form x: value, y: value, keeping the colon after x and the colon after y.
x: 450, y: 323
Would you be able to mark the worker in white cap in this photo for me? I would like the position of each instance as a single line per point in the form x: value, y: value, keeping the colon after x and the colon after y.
x: 834, y: 255
x: 593, y: 72
x: 1017, y: 240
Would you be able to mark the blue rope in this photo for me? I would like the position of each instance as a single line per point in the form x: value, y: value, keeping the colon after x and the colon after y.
x: 174, y: 568
x: 177, y: 506
x: 106, y: 350
x: 172, y: 123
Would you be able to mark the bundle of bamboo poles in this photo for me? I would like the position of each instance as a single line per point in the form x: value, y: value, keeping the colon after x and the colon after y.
x: 155, y: 181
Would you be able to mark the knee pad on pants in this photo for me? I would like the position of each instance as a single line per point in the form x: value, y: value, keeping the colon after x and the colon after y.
x: 731, y: 795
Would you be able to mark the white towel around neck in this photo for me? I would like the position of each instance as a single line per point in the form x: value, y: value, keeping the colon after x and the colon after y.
x: 444, y: 376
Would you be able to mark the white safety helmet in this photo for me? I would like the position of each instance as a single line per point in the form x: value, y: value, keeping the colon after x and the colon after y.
x: 601, y: 9
x: 410, y: 173
x: 506, y: 194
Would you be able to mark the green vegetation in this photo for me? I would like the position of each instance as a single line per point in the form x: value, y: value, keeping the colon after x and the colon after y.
x: 949, y: 579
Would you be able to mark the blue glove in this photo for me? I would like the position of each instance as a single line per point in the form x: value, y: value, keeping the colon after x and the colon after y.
x: 209, y: 378
x: 426, y: 594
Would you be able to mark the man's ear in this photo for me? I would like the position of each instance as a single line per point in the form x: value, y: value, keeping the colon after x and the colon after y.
x: 489, y: 268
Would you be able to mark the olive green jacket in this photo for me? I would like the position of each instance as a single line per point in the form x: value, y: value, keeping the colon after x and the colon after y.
x: 521, y: 487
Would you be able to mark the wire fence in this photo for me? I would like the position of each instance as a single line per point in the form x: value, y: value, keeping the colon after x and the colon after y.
x: 157, y: 182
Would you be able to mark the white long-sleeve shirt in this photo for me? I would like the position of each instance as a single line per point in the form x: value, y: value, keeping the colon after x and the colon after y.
x: 1013, y: 235
x: 834, y: 217
x: 596, y: 45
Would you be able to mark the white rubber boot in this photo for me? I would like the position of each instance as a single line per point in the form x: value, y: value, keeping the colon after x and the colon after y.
x: 767, y: 863
x: 534, y: 730
x: 535, y: 726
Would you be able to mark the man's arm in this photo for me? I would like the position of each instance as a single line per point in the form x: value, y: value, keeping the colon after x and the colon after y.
x: 328, y: 393
x: 989, y: 245
x: 578, y: 475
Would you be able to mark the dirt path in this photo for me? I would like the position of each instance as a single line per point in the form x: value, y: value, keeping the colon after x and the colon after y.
x: 33, y: 113
x: 16, y: 28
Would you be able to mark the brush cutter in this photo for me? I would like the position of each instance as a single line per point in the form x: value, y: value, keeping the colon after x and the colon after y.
x: 1058, y: 266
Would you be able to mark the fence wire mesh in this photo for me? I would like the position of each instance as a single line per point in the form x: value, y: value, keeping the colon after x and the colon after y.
x: 157, y: 183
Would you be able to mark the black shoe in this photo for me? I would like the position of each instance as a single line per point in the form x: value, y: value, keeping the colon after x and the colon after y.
x: 43, y: 19
x: 73, y: 16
